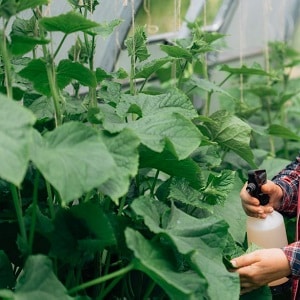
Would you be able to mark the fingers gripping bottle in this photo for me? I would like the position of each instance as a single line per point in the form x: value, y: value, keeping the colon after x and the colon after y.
x: 269, y: 232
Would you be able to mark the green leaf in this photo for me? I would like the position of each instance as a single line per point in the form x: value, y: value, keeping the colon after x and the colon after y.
x: 7, y: 278
x: 124, y: 149
x: 39, y: 282
x: 43, y: 108
x: 15, y: 135
x: 208, y: 86
x: 102, y: 75
x: 106, y: 29
x: 201, y: 240
x: 231, y: 132
x: 244, y: 70
x: 22, y: 44
x: 231, y: 211
x: 80, y: 232
x: 36, y: 72
x: 112, y: 122
x: 283, y: 132
x: 73, y: 158
x: 219, y: 186
x: 110, y: 91
x: 168, y: 130
x: 68, y: 70
x: 147, y: 105
x: 26, y: 4
x: 182, y: 192
x: 177, y: 52
x: 136, y: 44
x: 67, y: 23
x: 151, y: 67
x: 154, y: 259
x: 8, y: 8
x: 169, y: 164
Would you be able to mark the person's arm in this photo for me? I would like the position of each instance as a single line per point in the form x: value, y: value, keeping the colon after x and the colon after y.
x: 292, y: 253
x: 261, y: 267
x: 288, y: 181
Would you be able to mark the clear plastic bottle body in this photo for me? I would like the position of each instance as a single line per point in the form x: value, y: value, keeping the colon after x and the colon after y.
x: 268, y: 233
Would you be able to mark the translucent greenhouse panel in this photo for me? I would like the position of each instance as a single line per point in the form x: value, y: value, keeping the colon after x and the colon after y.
x: 107, y: 48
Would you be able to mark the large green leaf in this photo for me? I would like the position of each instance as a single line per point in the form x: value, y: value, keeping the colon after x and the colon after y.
x: 146, y: 105
x: 26, y: 4
x: 168, y: 130
x: 106, y: 29
x: 177, y: 52
x: 36, y: 72
x: 151, y: 67
x: 231, y: 132
x: 283, y: 132
x: 181, y: 191
x: 232, y: 212
x: 244, y: 70
x: 9, y: 8
x: 202, y: 240
x: 208, y: 86
x: 124, y: 149
x: 15, y: 136
x: 67, y: 23
x: 112, y: 122
x: 68, y: 70
x: 73, y: 158
x: 21, y: 44
x: 169, y: 164
x: 80, y: 232
x: 155, y: 260
x: 218, y: 186
x: 37, y: 282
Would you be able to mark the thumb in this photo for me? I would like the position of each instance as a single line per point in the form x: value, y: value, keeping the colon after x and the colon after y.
x: 244, y: 260
x: 268, y: 187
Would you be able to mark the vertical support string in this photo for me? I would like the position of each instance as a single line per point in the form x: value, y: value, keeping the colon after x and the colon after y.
x: 241, y: 44
x: 267, y: 7
x: 151, y: 28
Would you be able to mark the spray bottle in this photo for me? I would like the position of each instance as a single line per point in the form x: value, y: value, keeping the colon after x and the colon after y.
x: 269, y: 232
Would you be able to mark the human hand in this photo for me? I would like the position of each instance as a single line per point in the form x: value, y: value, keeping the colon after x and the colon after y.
x: 252, y: 206
x: 261, y: 267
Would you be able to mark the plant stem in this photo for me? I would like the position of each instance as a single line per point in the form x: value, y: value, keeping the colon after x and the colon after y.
x: 143, y: 84
x: 34, y: 210
x: 50, y: 67
x: 54, y: 92
x: 18, y: 208
x: 149, y: 290
x: 224, y: 80
x: 110, y: 287
x: 208, y: 102
x: 99, y: 280
x: 60, y: 45
x: 154, y: 183
x: 121, y: 206
x: 132, y: 74
x: 181, y: 74
x: 50, y: 200
x: 7, y: 65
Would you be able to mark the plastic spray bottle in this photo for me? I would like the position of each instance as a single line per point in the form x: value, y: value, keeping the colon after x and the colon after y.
x: 269, y: 232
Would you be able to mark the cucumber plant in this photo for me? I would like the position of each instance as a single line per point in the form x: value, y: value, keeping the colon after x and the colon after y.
x: 113, y: 191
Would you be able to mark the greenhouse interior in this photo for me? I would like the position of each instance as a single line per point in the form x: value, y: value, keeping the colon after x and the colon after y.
x: 149, y: 150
